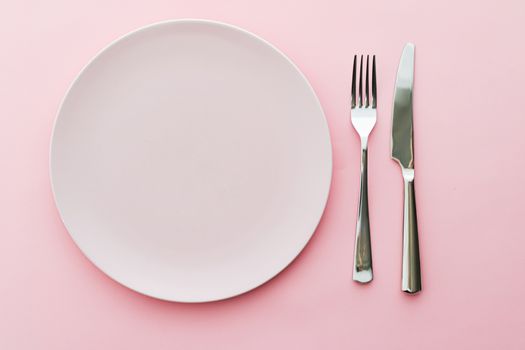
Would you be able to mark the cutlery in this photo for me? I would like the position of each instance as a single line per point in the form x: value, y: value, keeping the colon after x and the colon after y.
x: 403, y: 153
x: 363, y: 117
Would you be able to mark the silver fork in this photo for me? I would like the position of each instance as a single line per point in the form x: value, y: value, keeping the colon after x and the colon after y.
x: 363, y: 116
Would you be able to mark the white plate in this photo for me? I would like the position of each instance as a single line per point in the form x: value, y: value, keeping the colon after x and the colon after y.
x: 191, y: 161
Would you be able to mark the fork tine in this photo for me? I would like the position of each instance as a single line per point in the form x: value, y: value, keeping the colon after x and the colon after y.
x: 367, y: 102
x: 353, y: 82
x: 361, y: 83
x: 374, y: 85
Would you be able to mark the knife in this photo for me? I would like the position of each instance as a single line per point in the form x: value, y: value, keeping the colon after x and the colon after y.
x: 403, y: 153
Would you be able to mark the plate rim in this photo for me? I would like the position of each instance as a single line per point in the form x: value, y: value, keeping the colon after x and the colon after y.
x: 205, y: 22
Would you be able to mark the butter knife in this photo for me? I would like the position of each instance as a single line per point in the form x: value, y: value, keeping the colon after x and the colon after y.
x: 403, y: 153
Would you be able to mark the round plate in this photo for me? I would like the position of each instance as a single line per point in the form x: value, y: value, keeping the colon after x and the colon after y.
x: 191, y: 161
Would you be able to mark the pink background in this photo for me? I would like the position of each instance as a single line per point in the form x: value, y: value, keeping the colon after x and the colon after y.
x: 470, y: 159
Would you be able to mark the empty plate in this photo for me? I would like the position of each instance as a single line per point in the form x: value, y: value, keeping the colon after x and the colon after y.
x: 191, y: 161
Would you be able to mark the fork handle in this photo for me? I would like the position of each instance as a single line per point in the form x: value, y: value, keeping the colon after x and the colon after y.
x: 363, y: 251
x: 411, y: 275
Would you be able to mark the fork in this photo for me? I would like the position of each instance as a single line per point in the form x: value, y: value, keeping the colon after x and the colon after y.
x: 363, y: 116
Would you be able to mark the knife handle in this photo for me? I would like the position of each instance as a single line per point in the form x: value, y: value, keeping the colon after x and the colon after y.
x: 363, y: 251
x: 411, y: 275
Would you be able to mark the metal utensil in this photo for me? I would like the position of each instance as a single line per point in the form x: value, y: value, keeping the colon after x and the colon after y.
x: 403, y: 153
x: 363, y: 116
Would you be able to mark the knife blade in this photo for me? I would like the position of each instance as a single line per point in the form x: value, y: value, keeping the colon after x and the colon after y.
x: 402, y: 131
x: 403, y: 153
